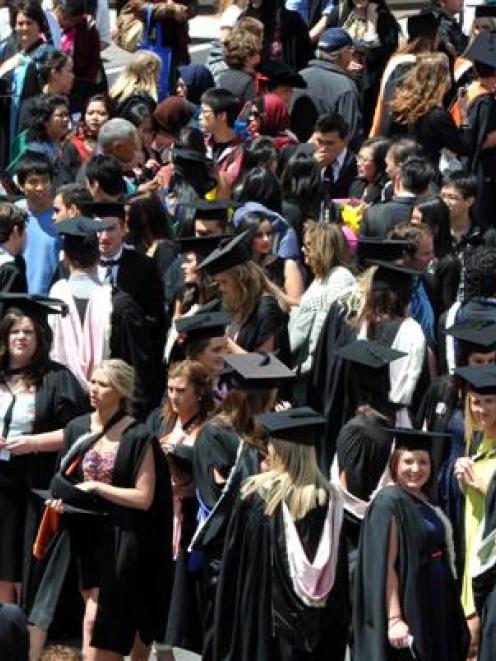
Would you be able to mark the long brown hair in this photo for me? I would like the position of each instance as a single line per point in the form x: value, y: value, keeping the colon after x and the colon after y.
x: 239, y: 409
x: 251, y: 283
x: 422, y: 89
x: 199, y: 378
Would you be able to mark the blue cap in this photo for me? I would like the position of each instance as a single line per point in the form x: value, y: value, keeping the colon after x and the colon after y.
x: 334, y: 39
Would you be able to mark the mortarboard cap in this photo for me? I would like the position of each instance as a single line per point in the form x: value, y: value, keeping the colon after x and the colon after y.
x: 394, y: 267
x: 389, y: 274
x: 81, y: 226
x: 369, y: 353
x: 383, y: 249
x: 301, y: 425
x: 415, y: 439
x: 201, y: 245
x: 481, y: 378
x: 33, y: 305
x: 483, y: 49
x: 236, y: 251
x: 477, y: 334
x: 257, y: 371
x: 280, y: 73
x: 202, y: 326
x: 423, y: 24
x: 334, y: 39
x: 104, y: 209
x: 212, y: 209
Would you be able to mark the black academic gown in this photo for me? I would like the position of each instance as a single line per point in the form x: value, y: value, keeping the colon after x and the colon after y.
x: 420, y: 604
x: 258, y: 615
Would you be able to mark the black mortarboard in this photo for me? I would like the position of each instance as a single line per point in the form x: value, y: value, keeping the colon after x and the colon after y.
x: 201, y: 245
x: 46, y: 494
x: 280, y: 73
x: 301, y: 426
x: 369, y: 353
x: 33, y: 305
x: 390, y: 274
x: 81, y: 226
x: 203, y: 325
x: 483, y: 49
x: 236, y: 251
x: 414, y: 439
x: 423, y: 24
x: 104, y: 209
x: 475, y: 334
x: 212, y: 209
x: 386, y: 249
x: 257, y: 371
x: 394, y: 267
x: 481, y: 378
x: 485, y: 11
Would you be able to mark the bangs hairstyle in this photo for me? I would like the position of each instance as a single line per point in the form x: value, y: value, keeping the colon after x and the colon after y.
x: 422, y: 89
x: 197, y: 376
x: 393, y: 469
x: 293, y: 477
x: 40, y: 361
x: 328, y: 246
x: 122, y: 379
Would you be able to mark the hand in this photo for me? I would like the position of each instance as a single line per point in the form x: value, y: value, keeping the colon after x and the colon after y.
x: 233, y: 347
x: 56, y: 504
x: 464, y: 470
x: 398, y: 633
x: 90, y: 486
x: 21, y: 445
x: 149, y: 186
x: 282, y: 405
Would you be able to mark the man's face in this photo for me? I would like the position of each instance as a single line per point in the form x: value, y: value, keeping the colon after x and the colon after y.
x: 458, y: 206
x: 424, y: 254
x: 125, y: 151
x: 208, y: 119
x: 60, y: 210
x: 111, y: 239
x: 328, y: 147
x: 392, y: 169
x: 38, y: 190
x: 208, y: 227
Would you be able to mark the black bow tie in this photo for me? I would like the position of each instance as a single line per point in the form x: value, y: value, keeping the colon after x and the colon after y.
x: 109, y: 262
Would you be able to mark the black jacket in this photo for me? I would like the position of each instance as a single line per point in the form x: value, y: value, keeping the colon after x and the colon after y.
x: 382, y: 217
x: 340, y: 188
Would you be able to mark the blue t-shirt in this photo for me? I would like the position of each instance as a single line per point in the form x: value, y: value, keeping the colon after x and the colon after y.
x: 42, y: 251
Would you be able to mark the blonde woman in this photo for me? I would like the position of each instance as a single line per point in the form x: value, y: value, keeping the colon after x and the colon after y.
x: 282, y: 591
x: 474, y: 472
x: 417, y: 108
x: 140, y: 74
x: 326, y: 253
x: 110, y: 463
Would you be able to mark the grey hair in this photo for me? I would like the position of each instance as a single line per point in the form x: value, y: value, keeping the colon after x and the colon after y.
x: 116, y: 130
x: 325, y: 56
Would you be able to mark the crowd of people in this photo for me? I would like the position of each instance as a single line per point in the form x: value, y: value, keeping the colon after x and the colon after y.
x: 248, y: 333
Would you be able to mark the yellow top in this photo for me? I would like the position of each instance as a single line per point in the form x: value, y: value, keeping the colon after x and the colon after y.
x: 484, y: 467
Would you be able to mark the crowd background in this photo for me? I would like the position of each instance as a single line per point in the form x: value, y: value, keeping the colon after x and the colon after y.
x: 248, y: 333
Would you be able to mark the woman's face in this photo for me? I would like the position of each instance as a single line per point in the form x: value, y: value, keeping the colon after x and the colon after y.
x: 413, y: 470
x: 416, y: 217
x: 103, y: 395
x: 228, y: 288
x: 262, y: 240
x: 27, y: 31
x: 308, y: 252
x: 483, y: 409
x: 182, y: 396
x: 366, y: 167
x: 254, y: 121
x: 95, y: 116
x: 22, y: 342
x: 146, y: 133
x: 181, y: 88
x: 212, y: 357
x: 188, y: 267
x: 57, y: 126
x: 63, y: 79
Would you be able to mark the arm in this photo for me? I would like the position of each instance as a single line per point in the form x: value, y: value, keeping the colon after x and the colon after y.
x: 139, y: 497
x: 293, y: 282
x: 397, y: 628
x: 318, y: 28
x: 49, y: 441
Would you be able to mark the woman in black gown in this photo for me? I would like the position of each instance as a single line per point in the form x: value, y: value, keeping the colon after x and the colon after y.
x: 283, y: 584
x: 406, y: 603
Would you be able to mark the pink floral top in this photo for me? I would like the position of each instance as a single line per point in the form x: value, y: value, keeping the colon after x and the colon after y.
x: 98, y: 465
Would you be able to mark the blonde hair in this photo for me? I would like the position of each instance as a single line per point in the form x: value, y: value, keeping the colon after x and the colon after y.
x: 293, y: 477
x: 251, y: 283
x: 422, y: 89
x: 327, y: 245
x: 61, y: 653
x: 139, y: 75
x: 121, y: 377
x: 471, y: 425
x: 354, y: 301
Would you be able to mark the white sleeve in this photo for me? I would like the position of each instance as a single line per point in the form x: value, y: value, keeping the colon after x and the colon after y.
x: 102, y: 21
x: 405, y: 372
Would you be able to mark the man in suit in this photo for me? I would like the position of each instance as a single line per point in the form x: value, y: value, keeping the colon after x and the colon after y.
x: 411, y: 181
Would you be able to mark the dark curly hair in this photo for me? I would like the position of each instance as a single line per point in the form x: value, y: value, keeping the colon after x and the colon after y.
x: 480, y: 268
x: 41, y: 359
x: 43, y: 108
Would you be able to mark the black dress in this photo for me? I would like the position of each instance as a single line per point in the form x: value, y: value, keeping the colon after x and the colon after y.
x: 258, y: 615
x: 429, y: 600
x: 266, y: 320
x: 58, y: 398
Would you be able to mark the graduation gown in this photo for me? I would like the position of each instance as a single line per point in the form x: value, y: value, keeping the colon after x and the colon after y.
x: 429, y: 600
x: 258, y: 615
